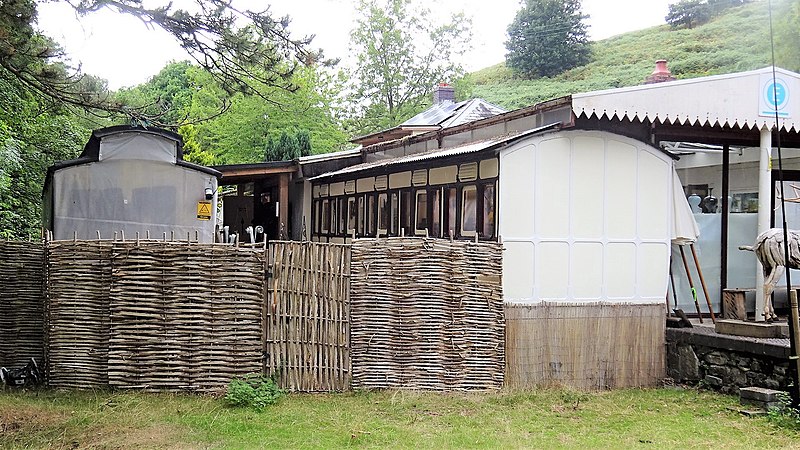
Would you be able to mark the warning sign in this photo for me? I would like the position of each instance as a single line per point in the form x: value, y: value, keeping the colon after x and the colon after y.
x: 204, y: 210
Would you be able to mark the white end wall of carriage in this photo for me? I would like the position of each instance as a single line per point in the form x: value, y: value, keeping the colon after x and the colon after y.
x: 585, y: 216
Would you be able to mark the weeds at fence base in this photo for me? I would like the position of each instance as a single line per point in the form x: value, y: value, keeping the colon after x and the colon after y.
x: 253, y: 391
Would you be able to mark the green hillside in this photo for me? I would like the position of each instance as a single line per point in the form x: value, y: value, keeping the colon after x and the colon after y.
x: 735, y: 41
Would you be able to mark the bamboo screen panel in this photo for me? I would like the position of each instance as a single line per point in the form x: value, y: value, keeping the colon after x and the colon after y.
x: 585, y: 345
x: 307, y: 329
x: 77, y: 320
x: 21, y: 303
x: 427, y: 314
x: 184, y: 316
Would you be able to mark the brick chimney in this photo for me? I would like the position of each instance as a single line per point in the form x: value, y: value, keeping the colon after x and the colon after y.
x: 443, y: 92
x: 661, y: 74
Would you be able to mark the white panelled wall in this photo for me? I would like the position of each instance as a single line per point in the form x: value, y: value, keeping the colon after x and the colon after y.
x: 585, y: 217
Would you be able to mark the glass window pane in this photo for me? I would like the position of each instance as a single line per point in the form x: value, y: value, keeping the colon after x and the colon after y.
x: 351, y: 215
x: 422, y: 212
x: 406, y: 213
x: 361, y: 215
x: 383, y: 213
x: 371, y: 215
x: 326, y: 216
x: 395, y: 220
x: 333, y: 217
x: 488, y: 211
x: 436, y: 213
x: 468, y: 210
x: 450, y: 212
x: 342, y: 228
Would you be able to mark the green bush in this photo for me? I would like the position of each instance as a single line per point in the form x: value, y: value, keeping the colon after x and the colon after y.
x: 784, y: 416
x: 254, y: 391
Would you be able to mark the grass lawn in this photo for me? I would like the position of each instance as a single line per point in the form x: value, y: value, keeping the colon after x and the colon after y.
x: 634, y: 418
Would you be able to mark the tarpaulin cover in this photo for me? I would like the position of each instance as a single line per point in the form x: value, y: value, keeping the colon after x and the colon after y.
x: 684, y: 230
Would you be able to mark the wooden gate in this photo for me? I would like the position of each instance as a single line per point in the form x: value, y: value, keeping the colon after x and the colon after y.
x: 307, y: 330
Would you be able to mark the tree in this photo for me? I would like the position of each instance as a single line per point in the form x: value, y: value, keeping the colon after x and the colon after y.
x: 400, y: 56
x: 688, y: 13
x: 691, y: 13
x: 244, y: 51
x: 289, y: 145
x: 547, y: 37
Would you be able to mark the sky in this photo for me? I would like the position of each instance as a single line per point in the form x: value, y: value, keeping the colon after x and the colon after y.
x: 125, y: 52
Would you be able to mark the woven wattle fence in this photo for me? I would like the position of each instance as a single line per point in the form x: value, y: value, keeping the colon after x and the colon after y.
x: 153, y: 315
x: 426, y: 314
x: 184, y: 316
x: 307, y: 327
x: 77, y: 319
x: 21, y: 303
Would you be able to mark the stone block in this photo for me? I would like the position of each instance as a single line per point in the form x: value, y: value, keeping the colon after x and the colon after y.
x: 750, y: 329
x: 716, y: 358
x: 759, y: 394
x: 713, y: 381
x: 683, y: 363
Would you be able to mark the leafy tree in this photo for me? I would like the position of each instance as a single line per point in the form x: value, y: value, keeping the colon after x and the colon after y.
x: 242, y: 50
x: 547, y: 37
x: 691, y: 13
x: 400, y: 56
x: 289, y: 145
x: 688, y: 13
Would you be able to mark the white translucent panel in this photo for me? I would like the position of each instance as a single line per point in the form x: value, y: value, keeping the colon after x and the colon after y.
x: 654, y: 180
x: 516, y: 193
x: 588, y: 178
x: 552, y: 178
x: 130, y: 196
x: 552, y: 270
x: 586, y: 271
x: 620, y: 270
x: 518, y: 270
x: 653, y: 266
x: 620, y: 190
x: 140, y: 146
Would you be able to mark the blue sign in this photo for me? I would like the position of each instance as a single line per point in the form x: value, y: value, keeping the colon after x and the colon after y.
x: 775, y: 97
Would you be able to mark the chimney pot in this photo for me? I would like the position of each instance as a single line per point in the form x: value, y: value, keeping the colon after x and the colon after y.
x: 660, y: 74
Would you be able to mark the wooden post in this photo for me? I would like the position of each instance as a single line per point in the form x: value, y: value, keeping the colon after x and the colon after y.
x: 691, y: 283
x: 703, y: 283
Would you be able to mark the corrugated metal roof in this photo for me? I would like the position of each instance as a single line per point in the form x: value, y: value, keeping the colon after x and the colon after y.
x: 472, y: 147
x: 735, y: 100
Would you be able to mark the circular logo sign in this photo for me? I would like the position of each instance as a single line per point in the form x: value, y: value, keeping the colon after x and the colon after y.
x: 776, y: 94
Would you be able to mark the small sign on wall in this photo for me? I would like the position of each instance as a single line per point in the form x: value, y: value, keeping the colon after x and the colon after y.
x: 204, y: 210
x: 774, y: 95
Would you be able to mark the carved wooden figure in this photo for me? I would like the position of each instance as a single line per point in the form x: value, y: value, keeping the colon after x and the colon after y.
x: 768, y: 248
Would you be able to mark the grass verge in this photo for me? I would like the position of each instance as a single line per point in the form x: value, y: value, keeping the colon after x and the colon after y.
x: 643, y: 418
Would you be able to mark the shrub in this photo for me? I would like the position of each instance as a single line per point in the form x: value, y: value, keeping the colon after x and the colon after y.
x: 254, y: 391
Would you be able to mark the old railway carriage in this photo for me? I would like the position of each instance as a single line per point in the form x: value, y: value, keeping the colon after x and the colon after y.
x: 451, y: 193
x: 585, y: 216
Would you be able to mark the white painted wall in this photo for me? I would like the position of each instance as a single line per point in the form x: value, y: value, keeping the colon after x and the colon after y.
x: 585, y: 216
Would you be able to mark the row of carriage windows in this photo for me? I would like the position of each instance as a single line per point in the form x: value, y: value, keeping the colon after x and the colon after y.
x: 458, y: 211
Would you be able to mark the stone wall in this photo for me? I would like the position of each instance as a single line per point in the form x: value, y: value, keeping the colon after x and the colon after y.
x: 726, y: 363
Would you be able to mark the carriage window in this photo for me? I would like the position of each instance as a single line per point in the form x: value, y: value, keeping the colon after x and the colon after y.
x: 436, y: 213
x: 342, y: 229
x: 352, y: 215
x: 406, y: 213
x: 326, y: 216
x: 488, y: 210
x: 450, y: 211
x: 361, y: 215
x: 383, y: 214
x: 422, y: 212
x: 334, y: 216
x: 317, y: 216
x: 371, y: 215
x: 469, y: 209
x: 394, y: 219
